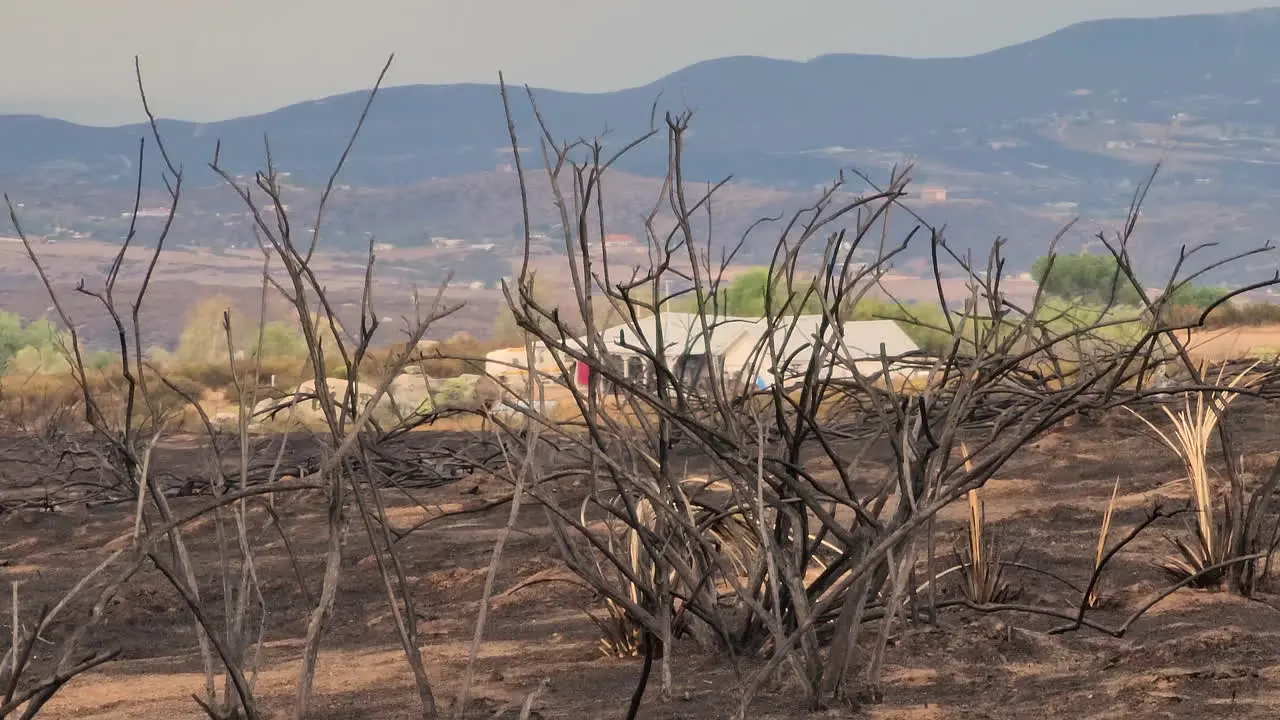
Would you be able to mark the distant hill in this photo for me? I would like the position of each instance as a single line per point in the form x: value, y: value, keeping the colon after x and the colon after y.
x: 768, y: 121
x: 473, y: 209
x: 1024, y: 137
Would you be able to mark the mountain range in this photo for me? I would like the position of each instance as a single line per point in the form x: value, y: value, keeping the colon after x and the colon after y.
x: 1071, y: 120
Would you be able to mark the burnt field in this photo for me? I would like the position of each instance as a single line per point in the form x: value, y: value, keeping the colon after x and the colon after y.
x: 1195, y: 653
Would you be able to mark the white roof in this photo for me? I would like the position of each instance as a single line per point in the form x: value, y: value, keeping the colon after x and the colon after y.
x: 681, y: 334
x: 864, y: 339
x: 795, y: 340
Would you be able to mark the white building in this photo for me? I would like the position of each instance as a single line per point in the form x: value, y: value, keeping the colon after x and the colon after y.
x: 745, y: 351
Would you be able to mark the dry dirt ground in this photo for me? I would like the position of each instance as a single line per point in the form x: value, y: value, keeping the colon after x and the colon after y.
x: 1226, y: 343
x: 1196, y: 654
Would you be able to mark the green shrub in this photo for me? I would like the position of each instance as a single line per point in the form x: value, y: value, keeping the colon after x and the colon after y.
x: 924, y: 323
x: 455, y: 392
x: 1197, y: 296
x: 1091, y: 279
x: 39, y: 342
x: 41, y: 360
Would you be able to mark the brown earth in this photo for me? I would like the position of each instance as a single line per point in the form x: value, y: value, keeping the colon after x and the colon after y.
x: 1196, y: 654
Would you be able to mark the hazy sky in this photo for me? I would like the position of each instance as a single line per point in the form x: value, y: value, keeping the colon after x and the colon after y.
x: 211, y: 59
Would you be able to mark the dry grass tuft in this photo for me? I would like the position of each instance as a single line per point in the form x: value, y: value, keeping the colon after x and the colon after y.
x: 981, y: 568
x: 1193, y: 428
x: 1094, y: 600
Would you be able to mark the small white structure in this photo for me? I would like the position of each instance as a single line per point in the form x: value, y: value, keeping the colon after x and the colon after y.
x: 753, y: 351
x: 864, y: 346
x: 509, y: 363
x: 688, y: 343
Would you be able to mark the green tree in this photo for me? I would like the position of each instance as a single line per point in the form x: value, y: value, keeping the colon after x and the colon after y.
x: 42, y: 337
x: 744, y: 296
x: 100, y: 359
x: 159, y: 357
x: 283, y: 341
x: 44, y: 360
x: 12, y: 335
x: 41, y: 332
x: 1197, y: 296
x: 1086, y: 278
x: 203, y: 340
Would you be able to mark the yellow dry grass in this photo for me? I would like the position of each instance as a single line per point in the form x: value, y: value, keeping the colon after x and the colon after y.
x: 1214, y: 346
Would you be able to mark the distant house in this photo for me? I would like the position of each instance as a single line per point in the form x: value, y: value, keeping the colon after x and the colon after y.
x: 619, y: 239
x: 687, y: 350
x: 748, y: 352
x: 864, y: 346
x: 933, y: 194
x: 156, y: 212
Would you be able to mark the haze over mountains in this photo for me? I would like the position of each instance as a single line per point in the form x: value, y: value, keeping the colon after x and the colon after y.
x: 1069, y: 121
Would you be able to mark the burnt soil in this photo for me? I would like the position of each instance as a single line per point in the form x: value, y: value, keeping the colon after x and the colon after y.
x: 1195, y: 654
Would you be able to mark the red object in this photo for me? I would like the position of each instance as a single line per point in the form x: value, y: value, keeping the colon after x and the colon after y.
x: 581, y: 372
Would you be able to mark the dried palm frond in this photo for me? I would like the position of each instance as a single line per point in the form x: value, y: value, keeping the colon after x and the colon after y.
x: 1095, y: 594
x: 981, y: 569
x: 1193, y: 428
x: 1208, y: 548
x: 619, y: 636
x: 980, y: 566
x: 642, y: 566
x: 734, y: 533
